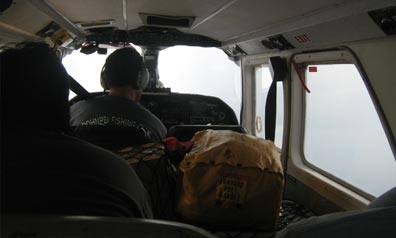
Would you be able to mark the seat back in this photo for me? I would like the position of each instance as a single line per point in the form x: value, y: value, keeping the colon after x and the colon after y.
x: 39, y: 226
x: 186, y: 132
x: 378, y: 222
x: 387, y: 199
x: 111, y: 138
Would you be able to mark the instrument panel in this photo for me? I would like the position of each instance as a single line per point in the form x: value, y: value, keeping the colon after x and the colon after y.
x: 189, y: 109
x: 182, y: 109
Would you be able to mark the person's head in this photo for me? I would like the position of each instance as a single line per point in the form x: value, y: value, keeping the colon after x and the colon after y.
x: 122, y: 70
x: 34, y: 88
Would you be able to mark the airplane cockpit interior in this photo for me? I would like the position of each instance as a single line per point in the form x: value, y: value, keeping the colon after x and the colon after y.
x: 256, y: 119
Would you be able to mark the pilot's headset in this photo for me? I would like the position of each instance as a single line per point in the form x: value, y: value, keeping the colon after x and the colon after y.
x: 119, y: 67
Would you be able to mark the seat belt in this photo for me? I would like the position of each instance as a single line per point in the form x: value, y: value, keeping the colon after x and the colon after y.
x: 270, y: 112
x: 278, y: 69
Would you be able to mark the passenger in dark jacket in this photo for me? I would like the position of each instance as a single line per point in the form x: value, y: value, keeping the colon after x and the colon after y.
x: 43, y: 170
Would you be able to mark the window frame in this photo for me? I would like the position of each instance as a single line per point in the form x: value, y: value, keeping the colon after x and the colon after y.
x: 303, y: 129
x: 346, y: 58
x: 331, y: 187
x: 280, y: 86
x: 255, y: 132
x: 248, y: 108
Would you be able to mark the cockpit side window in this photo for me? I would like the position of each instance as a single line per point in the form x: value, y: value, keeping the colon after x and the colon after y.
x: 263, y: 80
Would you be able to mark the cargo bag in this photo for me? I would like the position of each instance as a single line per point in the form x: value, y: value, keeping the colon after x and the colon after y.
x: 231, y: 180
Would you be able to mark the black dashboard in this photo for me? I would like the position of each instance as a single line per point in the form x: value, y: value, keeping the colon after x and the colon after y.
x: 189, y: 109
x: 184, y: 109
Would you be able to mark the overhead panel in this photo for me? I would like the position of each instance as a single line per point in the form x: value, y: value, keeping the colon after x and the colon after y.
x: 199, y: 9
x: 167, y: 21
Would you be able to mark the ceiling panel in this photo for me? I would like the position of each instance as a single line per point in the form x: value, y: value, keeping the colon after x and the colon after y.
x: 245, y: 16
x: 90, y: 10
x: 228, y: 21
x: 94, y: 10
x: 24, y: 16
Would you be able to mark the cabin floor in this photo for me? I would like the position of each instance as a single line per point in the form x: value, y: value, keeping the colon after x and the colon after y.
x: 291, y: 212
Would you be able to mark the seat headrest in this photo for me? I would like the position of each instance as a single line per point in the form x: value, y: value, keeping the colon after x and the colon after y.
x: 387, y: 199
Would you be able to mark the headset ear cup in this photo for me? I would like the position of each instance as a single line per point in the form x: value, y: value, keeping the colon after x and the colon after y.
x: 103, y: 79
x: 143, y: 79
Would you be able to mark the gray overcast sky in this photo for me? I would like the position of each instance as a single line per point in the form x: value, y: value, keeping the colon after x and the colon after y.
x: 342, y: 131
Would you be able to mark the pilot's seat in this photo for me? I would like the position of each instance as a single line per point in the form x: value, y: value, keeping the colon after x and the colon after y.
x: 111, y: 138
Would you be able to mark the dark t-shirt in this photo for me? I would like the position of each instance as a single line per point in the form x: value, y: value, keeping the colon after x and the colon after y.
x: 106, y: 114
x: 48, y: 172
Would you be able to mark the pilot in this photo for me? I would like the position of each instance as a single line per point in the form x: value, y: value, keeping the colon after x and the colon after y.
x: 120, y: 112
x: 43, y: 170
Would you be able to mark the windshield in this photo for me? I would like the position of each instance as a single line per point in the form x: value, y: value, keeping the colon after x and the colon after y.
x: 184, y: 69
x: 85, y: 69
x: 205, y: 71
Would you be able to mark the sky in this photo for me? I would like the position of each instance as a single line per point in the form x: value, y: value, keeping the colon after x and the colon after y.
x: 342, y: 134
x: 206, y: 71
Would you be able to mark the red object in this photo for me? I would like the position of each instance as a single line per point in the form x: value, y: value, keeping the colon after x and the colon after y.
x: 299, y: 73
x: 313, y: 69
x: 173, y: 144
